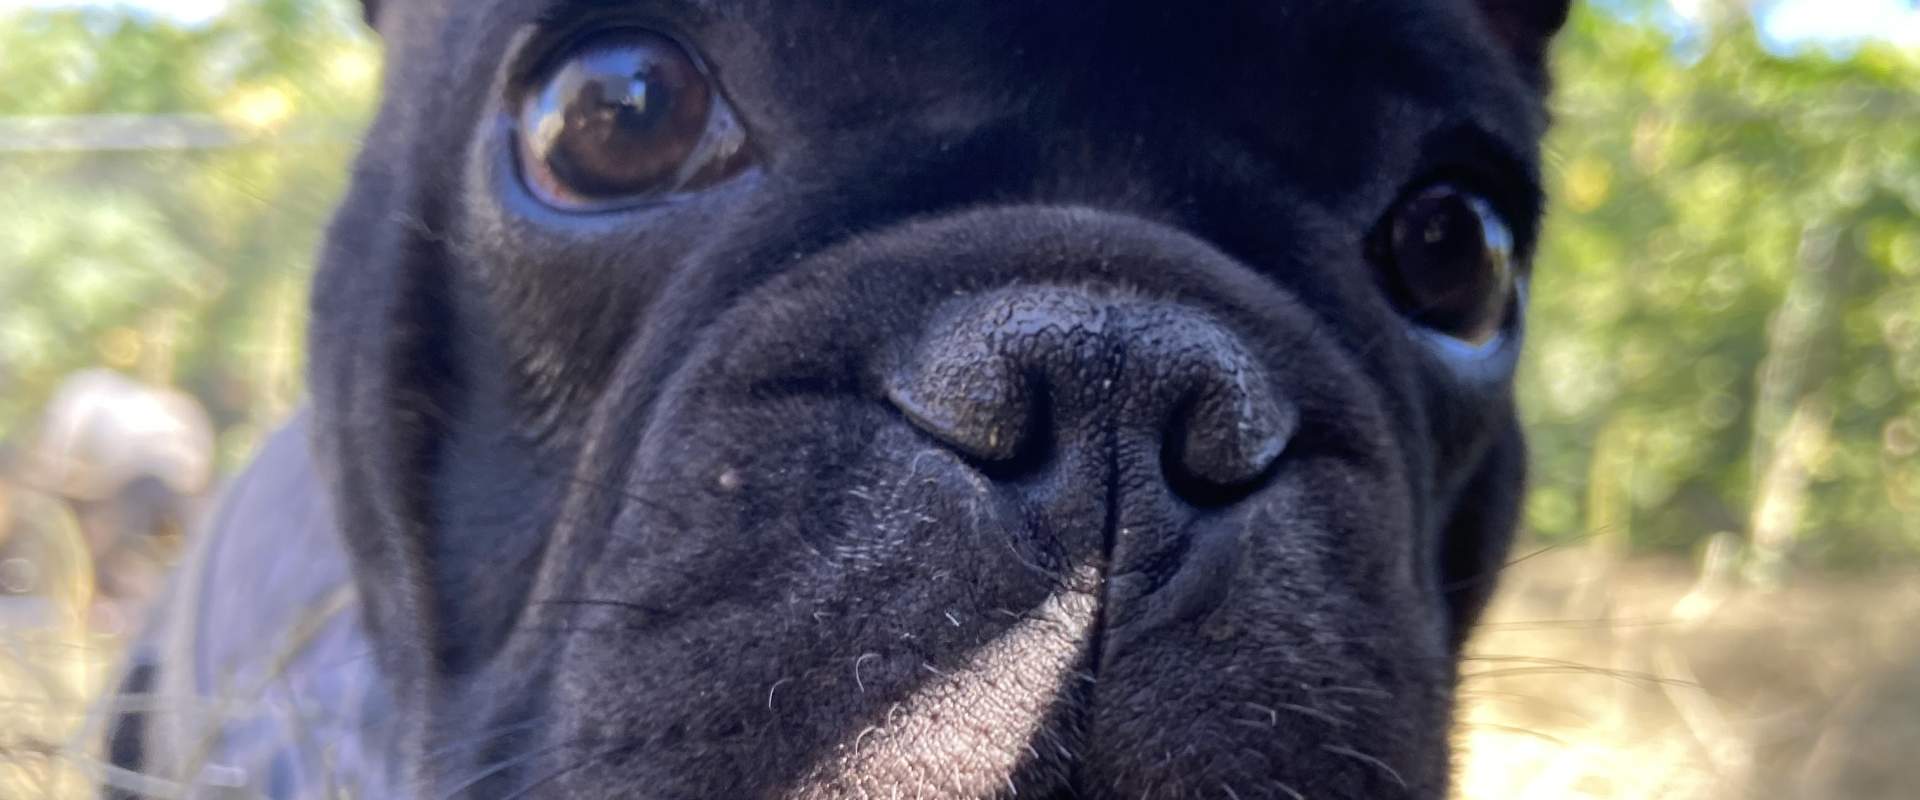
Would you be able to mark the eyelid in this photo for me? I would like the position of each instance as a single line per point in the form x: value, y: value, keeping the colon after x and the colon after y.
x: 566, y: 15
x: 1476, y: 159
x: 1489, y: 362
x: 560, y: 27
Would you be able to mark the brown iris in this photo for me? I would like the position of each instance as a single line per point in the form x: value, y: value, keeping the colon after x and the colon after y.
x: 624, y: 115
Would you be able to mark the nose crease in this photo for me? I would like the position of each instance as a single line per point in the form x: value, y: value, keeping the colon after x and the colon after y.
x: 1002, y: 375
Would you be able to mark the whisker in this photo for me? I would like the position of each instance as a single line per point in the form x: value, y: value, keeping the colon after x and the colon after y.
x: 1343, y: 750
x: 1495, y: 726
x: 622, y: 604
x: 1363, y: 691
x: 479, y: 738
x: 1595, y: 623
x: 1624, y: 676
x: 502, y: 766
x: 1496, y: 572
x: 557, y: 774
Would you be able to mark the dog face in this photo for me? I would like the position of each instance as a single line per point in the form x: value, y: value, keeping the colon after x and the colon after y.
x: 935, y: 399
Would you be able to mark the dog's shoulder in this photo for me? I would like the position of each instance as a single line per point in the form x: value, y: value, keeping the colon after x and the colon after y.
x: 256, y: 656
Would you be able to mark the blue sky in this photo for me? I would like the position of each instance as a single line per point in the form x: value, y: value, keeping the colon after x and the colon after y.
x: 1898, y: 20
x: 1787, y: 21
x: 184, y: 10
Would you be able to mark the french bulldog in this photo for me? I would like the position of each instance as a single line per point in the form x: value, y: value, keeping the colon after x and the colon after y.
x: 919, y: 399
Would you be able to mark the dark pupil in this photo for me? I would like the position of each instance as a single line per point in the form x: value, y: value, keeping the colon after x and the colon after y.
x: 629, y: 116
x: 1449, y: 277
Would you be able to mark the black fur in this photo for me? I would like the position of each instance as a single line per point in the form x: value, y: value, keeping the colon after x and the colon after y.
x: 634, y: 505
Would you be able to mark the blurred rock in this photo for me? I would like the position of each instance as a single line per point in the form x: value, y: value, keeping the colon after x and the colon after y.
x: 102, y: 432
x: 131, y: 462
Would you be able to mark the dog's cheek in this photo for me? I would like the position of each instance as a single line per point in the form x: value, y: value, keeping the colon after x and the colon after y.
x: 357, y: 296
x: 400, y: 426
x: 1479, y: 533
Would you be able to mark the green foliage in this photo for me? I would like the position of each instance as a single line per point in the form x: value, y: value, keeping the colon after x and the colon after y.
x: 184, y: 264
x: 1701, y: 188
x: 1736, y: 240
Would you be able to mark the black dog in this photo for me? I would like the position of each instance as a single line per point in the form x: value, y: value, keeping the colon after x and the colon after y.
x: 886, y: 399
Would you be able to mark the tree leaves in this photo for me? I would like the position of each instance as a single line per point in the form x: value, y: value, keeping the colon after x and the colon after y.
x: 1687, y: 181
x: 162, y: 189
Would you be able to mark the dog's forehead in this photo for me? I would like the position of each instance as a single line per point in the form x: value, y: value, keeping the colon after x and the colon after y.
x: 1326, y: 88
x: 1248, y: 45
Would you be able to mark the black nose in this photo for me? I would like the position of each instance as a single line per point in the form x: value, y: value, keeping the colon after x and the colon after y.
x: 1011, y: 378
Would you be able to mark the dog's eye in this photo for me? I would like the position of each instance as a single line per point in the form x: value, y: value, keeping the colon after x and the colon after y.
x: 1446, y: 256
x: 624, y: 116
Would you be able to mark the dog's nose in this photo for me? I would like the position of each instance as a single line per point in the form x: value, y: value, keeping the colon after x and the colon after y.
x: 1011, y: 378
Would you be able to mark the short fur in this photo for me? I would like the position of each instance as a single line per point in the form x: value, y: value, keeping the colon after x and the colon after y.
x: 625, y: 504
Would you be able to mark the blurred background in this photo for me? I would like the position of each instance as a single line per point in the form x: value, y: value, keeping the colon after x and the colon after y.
x: 1718, y: 590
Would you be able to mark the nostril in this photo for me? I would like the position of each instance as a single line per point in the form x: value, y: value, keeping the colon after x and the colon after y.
x: 1006, y: 378
x: 985, y: 378
x: 977, y: 403
x: 1223, y: 441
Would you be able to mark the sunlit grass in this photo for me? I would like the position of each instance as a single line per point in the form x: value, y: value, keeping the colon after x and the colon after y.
x: 1602, y: 680
x: 1590, y: 680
